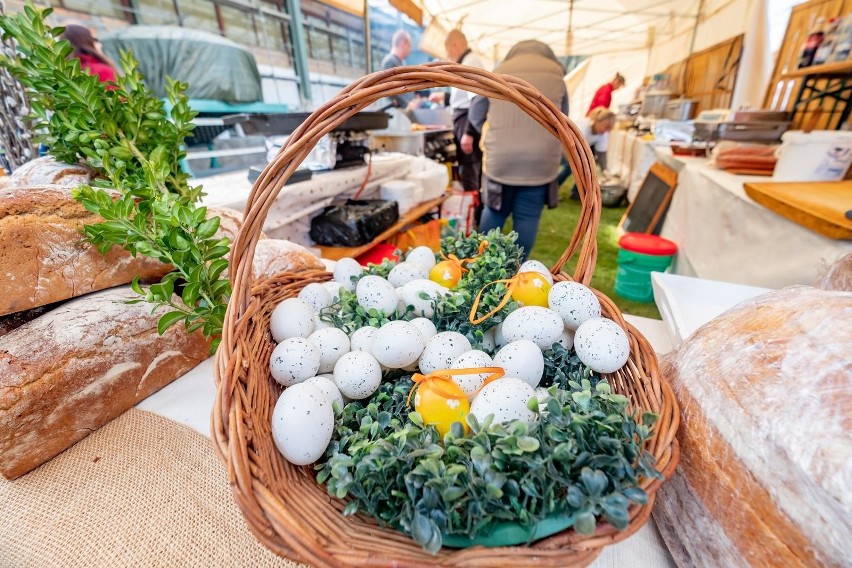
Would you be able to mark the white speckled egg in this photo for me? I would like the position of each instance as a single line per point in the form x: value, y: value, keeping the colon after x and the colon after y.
x: 422, y: 307
x: 506, y: 399
x: 376, y: 293
x: 316, y: 295
x: 536, y: 266
x: 499, y: 339
x: 602, y: 345
x: 294, y: 360
x: 422, y: 256
x: 326, y: 384
x: 357, y: 375
x: 345, y: 270
x: 333, y: 288
x: 330, y: 377
x: 293, y: 317
x: 405, y: 272
x: 302, y: 424
x: 441, y: 350
x: 489, y: 339
x: 574, y: 303
x: 319, y: 324
x: 362, y: 339
x: 566, y: 339
x: 425, y: 326
x: 332, y: 343
x: 522, y: 359
x: 470, y: 384
x: 397, y: 344
x: 540, y: 325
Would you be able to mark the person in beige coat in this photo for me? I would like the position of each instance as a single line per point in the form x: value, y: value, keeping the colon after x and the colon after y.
x: 521, y: 157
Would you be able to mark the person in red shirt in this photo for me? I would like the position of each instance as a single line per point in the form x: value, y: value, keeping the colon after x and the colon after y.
x: 86, y: 49
x: 603, y: 96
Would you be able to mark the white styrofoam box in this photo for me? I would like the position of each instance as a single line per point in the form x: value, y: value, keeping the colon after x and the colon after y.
x: 406, y: 193
x: 820, y: 155
x: 431, y: 175
x: 687, y: 303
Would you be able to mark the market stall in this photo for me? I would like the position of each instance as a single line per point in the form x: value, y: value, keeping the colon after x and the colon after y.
x: 451, y: 405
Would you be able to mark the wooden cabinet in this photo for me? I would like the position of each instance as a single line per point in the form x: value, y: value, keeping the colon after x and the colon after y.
x: 817, y: 96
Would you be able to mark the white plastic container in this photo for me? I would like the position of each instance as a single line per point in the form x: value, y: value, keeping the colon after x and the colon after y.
x: 407, y: 194
x: 431, y: 176
x: 821, y: 155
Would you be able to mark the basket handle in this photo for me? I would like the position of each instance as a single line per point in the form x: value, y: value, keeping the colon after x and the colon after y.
x: 370, y: 88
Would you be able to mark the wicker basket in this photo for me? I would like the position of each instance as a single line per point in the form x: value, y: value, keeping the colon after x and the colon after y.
x: 283, y: 505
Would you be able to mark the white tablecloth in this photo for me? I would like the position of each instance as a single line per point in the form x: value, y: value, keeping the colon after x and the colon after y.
x: 189, y: 399
x: 630, y: 157
x: 722, y: 234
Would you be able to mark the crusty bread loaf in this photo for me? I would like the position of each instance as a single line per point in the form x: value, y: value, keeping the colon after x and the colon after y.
x: 77, y: 367
x: 11, y: 322
x: 273, y: 256
x: 765, y: 392
x: 42, y: 259
x: 47, y: 171
x: 838, y: 276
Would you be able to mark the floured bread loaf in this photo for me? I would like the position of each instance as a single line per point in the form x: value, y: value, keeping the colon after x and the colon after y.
x: 72, y: 370
x: 838, y: 276
x: 765, y: 392
x: 11, y: 322
x: 273, y: 256
x: 47, y: 171
x: 42, y: 259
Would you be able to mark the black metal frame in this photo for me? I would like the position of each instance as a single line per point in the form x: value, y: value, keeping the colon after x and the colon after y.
x: 822, y: 86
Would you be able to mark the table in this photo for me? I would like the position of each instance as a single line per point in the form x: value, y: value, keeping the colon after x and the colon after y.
x: 722, y: 234
x: 188, y: 401
x: 630, y: 157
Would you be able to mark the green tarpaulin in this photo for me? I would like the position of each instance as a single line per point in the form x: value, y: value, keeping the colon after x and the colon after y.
x: 215, y: 68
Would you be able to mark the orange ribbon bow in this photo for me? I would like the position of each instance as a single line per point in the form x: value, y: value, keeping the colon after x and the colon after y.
x: 512, y: 283
x: 436, y: 378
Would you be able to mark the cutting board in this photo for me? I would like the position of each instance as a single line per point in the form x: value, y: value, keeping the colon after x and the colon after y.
x: 819, y: 206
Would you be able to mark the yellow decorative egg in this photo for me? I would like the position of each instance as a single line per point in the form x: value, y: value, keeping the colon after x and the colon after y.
x: 532, y: 289
x: 447, y: 273
x: 438, y: 410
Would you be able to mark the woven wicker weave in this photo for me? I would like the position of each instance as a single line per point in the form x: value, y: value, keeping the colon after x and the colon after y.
x: 283, y: 505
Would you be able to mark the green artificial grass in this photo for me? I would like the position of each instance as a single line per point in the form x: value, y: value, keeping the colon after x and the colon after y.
x: 555, y: 231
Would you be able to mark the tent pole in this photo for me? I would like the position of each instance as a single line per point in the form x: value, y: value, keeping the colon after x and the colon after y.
x: 695, y: 28
x: 368, y: 43
x: 300, y: 56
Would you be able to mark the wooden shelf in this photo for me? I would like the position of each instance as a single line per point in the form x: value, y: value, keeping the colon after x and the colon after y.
x: 336, y: 253
x: 841, y: 68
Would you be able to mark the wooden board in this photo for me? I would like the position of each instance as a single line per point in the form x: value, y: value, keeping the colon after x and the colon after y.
x: 819, y: 206
x: 648, y: 210
x: 336, y: 253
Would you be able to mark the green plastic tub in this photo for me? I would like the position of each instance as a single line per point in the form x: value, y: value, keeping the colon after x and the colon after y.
x: 640, y: 255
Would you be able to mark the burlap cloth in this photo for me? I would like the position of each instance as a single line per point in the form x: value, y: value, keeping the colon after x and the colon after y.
x: 141, y: 491
x: 147, y: 491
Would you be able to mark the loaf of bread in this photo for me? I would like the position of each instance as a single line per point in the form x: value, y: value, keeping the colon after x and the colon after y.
x: 42, y: 258
x: 765, y: 392
x: 837, y: 276
x: 11, y: 322
x: 273, y: 256
x: 47, y: 171
x: 72, y: 370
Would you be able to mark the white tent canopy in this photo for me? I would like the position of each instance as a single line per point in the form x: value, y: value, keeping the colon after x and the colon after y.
x: 635, y: 37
